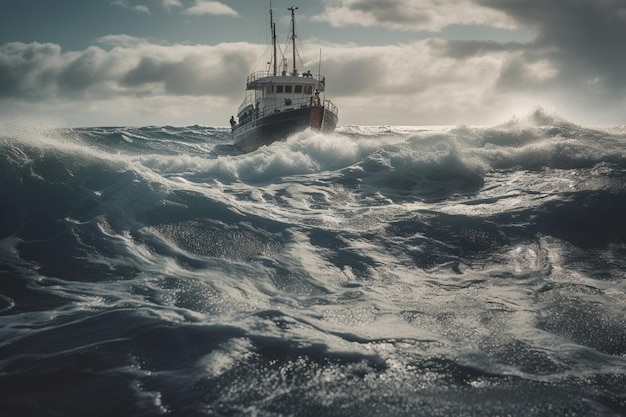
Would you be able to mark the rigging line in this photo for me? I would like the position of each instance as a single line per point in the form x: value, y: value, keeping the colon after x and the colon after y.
x: 261, y: 41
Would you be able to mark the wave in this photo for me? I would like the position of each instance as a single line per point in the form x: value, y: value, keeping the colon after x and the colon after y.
x: 379, y: 270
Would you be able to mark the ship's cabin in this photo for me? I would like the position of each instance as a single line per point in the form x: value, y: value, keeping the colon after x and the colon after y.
x: 268, y: 94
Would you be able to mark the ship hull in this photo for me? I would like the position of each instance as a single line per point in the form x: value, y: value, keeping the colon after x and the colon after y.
x: 279, y: 126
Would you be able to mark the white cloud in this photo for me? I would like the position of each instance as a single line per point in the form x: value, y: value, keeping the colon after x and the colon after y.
x: 137, y: 8
x: 417, y: 83
x: 403, y: 84
x: 128, y: 80
x: 170, y: 4
x: 120, y: 40
x: 575, y: 61
x: 40, y: 71
x: 204, y: 7
x: 416, y: 15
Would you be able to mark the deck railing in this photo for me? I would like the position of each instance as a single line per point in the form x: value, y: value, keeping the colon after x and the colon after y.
x: 257, y: 75
x: 331, y: 107
x: 285, y: 106
x: 296, y: 104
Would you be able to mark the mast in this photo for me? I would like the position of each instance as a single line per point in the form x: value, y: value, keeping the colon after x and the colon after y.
x: 293, y: 37
x: 273, y: 29
x: 319, y: 66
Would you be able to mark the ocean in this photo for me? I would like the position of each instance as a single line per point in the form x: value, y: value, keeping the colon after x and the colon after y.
x: 378, y: 271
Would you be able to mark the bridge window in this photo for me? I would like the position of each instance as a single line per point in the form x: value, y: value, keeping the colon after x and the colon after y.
x: 279, y: 88
x: 308, y: 89
x: 298, y: 89
x: 288, y: 88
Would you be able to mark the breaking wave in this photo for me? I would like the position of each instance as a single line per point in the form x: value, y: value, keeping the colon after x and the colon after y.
x: 381, y: 270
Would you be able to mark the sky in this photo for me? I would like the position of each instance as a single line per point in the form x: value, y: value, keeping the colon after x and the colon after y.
x: 387, y: 62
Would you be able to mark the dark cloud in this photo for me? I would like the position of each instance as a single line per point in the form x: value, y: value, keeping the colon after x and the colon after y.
x: 467, y: 49
x: 189, y: 75
x: 386, y: 11
x: 412, y: 15
x: 152, y: 70
x: 26, y: 70
x: 576, y: 57
x: 523, y: 67
x: 354, y: 76
x: 37, y: 71
x: 584, y: 39
x: 82, y: 71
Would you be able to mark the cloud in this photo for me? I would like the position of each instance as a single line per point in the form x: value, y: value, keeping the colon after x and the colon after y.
x: 171, y: 4
x: 138, y: 8
x: 134, y: 81
x: 28, y: 70
x: 575, y: 60
x: 420, y: 83
x: 574, y: 65
x: 578, y: 46
x: 582, y: 39
x: 120, y: 40
x: 42, y: 71
x: 415, y: 15
x: 413, y: 83
x: 204, y: 7
x: 200, y: 71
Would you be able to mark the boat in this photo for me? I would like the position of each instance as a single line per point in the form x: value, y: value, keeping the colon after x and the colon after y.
x: 278, y: 104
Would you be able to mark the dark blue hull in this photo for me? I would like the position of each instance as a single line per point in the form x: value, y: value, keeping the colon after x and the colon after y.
x: 278, y: 126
